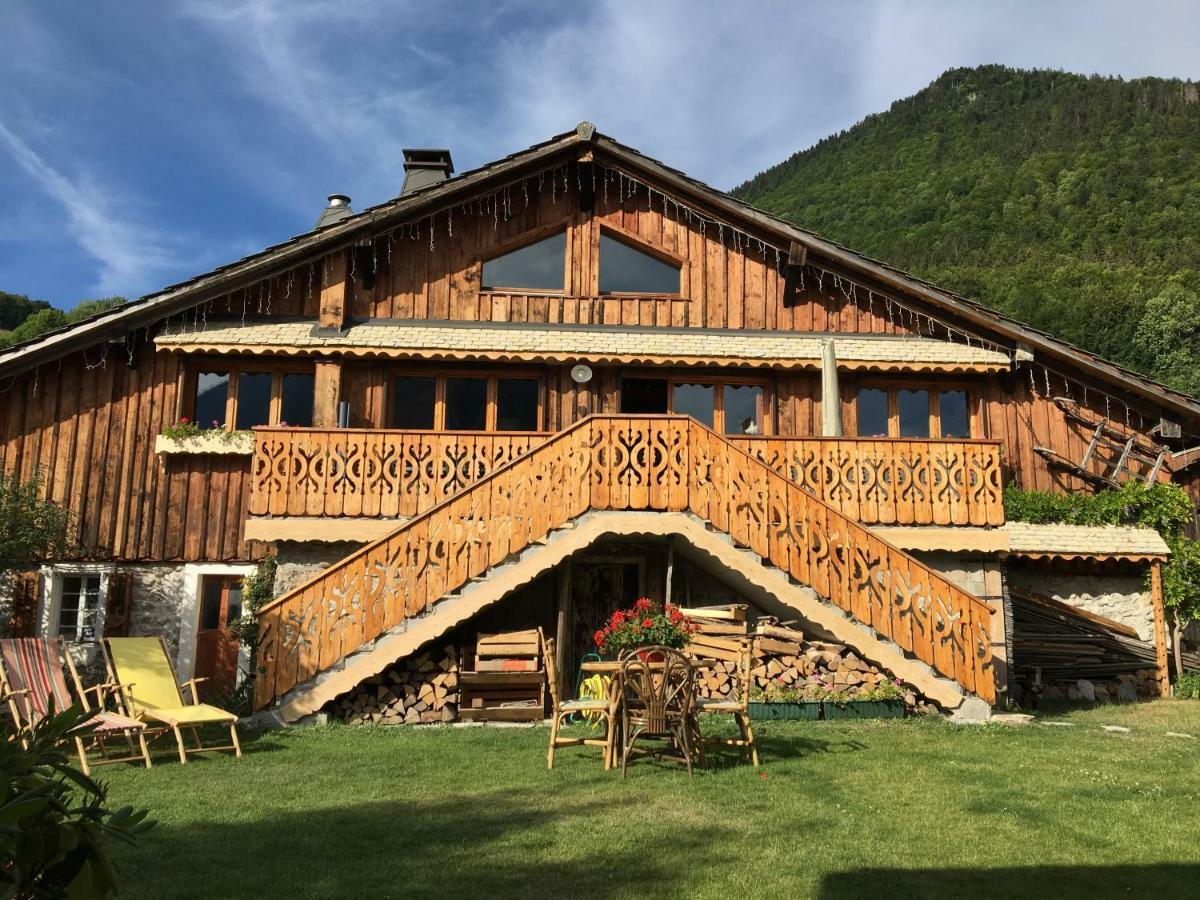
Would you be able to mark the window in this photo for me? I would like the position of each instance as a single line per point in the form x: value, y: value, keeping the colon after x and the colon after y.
x: 413, y: 400
x: 627, y: 270
x: 727, y: 406
x: 915, y: 412
x: 79, y: 608
x: 540, y: 266
x: 467, y: 402
x: 872, y: 412
x: 245, y: 397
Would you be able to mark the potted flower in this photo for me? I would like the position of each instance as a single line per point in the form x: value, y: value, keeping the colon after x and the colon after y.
x: 779, y: 701
x: 644, y: 624
x: 883, y: 701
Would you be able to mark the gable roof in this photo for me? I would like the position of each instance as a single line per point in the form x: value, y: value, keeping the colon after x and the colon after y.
x: 250, y: 269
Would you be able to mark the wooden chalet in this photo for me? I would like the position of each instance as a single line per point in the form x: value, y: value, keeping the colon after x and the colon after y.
x: 523, y: 395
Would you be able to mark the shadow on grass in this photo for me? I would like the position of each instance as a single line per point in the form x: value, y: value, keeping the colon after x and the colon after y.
x: 498, y: 844
x: 1163, y: 880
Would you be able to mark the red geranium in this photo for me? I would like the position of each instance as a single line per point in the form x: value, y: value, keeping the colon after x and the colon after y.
x: 644, y: 625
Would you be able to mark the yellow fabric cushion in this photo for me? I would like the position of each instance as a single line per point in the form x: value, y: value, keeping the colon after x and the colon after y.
x: 188, y: 715
x: 140, y: 661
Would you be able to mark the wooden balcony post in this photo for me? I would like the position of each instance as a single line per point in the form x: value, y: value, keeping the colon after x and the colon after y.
x: 335, y: 291
x: 327, y: 391
x: 1160, y: 629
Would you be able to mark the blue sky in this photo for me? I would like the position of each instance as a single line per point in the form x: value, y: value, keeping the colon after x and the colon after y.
x: 144, y: 142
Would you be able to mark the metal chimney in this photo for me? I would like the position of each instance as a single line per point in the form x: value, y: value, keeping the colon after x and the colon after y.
x: 338, y: 209
x: 423, y: 168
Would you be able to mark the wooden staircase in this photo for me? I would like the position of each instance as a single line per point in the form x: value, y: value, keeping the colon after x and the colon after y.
x: 435, y: 570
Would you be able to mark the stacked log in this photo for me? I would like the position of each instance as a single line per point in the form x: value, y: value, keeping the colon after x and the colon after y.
x: 420, y: 689
x: 783, y: 657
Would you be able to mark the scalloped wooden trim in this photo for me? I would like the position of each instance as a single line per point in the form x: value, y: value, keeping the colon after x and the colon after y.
x: 235, y: 445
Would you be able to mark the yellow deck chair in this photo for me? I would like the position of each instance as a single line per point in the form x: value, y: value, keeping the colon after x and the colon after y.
x: 152, y: 694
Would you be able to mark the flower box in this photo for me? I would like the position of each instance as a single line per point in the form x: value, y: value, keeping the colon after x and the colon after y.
x: 806, y: 710
x: 239, y: 443
x: 864, y: 709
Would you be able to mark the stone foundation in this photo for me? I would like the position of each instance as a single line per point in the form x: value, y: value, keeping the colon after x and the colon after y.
x: 158, y: 603
x: 1122, y: 598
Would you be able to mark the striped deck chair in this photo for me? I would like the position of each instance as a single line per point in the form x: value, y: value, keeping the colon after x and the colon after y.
x: 152, y: 694
x: 31, y: 677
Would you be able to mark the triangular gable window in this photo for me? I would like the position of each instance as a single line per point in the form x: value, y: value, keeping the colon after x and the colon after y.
x: 627, y: 270
x: 535, y: 267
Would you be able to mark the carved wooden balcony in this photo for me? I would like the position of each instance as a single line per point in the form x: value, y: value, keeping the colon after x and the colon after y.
x: 385, y: 475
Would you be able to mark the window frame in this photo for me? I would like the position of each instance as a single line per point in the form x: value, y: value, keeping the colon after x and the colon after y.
x: 528, y: 239
x: 277, y: 371
x: 492, y: 376
x: 892, y: 389
x: 637, y: 242
x: 52, y: 616
x: 718, y: 381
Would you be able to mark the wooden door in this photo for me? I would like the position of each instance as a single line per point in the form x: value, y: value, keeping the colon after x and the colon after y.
x: 216, y: 649
x: 597, y: 590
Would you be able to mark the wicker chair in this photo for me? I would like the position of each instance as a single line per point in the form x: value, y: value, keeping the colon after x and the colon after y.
x: 657, y: 700
x: 737, y: 705
x: 603, y: 707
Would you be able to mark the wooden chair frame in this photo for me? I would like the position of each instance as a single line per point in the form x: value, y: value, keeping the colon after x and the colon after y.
x: 560, y: 710
x: 656, y: 702
x: 94, y: 741
x: 168, y: 724
x: 737, y: 706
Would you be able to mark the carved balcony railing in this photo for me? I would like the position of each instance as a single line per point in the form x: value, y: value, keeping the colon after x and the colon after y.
x: 390, y: 474
x: 893, y: 481
x: 666, y: 463
x: 372, y: 473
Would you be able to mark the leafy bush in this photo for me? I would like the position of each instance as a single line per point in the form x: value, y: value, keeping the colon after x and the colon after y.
x: 643, y: 625
x: 257, y: 590
x: 31, y: 529
x: 54, y: 823
x: 1163, y: 507
x: 1188, y: 686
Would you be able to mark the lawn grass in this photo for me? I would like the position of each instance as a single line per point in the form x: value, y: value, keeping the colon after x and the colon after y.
x: 912, y: 808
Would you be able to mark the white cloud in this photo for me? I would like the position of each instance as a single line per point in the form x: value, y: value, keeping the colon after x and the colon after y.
x: 130, y: 255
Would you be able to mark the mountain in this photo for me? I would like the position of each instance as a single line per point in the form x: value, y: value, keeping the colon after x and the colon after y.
x: 1069, y: 202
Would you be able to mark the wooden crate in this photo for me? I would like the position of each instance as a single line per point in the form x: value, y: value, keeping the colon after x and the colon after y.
x: 506, y: 682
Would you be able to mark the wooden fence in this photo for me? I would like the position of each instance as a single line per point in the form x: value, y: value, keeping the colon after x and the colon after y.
x: 386, y: 474
x: 616, y: 463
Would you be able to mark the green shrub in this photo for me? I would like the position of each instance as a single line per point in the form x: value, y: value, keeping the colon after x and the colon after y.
x: 1163, y: 507
x: 1188, y: 686
x: 54, y: 825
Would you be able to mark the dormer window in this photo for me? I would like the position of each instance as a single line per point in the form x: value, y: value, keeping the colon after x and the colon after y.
x: 626, y: 269
x: 540, y: 266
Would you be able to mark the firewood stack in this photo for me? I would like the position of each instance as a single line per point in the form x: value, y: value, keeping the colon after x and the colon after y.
x: 417, y: 690
x: 782, y: 657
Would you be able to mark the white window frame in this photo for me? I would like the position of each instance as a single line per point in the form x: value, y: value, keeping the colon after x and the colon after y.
x: 52, y: 589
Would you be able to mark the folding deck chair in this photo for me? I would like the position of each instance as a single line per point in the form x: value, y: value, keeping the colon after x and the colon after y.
x: 31, y: 679
x: 152, y: 694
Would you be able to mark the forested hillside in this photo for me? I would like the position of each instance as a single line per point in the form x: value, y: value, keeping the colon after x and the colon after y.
x: 22, y: 319
x: 1071, y: 203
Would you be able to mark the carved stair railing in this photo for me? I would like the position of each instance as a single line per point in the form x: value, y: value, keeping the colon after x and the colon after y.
x: 668, y: 463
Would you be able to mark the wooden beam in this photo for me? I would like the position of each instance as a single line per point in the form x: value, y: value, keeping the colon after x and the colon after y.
x: 1160, y: 629
x: 335, y: 289
x: 564, y: 628
x: 327, y: 390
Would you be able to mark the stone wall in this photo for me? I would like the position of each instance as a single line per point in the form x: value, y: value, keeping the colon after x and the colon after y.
x: 158, y: 602
x: 297, y: 561
x: 1123, y: 598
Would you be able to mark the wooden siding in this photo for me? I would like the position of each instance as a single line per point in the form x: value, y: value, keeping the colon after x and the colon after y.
x: 721, y: 286
x: 90, y: 433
